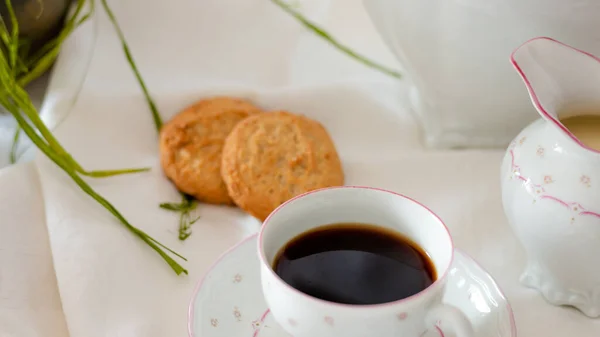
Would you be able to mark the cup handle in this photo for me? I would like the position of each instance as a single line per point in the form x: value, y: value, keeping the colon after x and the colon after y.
x: 452, y: 317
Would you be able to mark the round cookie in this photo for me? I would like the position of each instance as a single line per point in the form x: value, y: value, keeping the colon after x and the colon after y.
x: 191, y: 145
x: 272, y: 157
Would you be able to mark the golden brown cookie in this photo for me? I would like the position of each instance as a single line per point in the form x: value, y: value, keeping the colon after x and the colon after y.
x: 191, y: 145
x: 272, y: 157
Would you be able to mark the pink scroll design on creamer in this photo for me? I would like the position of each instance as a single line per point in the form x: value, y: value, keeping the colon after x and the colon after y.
x: 540, y: 192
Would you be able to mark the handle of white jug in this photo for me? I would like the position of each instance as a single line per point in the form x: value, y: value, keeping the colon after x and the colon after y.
x: 453, y: 319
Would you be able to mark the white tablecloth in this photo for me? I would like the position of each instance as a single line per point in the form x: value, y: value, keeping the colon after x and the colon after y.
x: 109, y: 283
x: 29, y: 299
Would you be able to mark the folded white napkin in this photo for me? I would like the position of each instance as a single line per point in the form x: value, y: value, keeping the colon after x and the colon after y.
x: 29, y: 301
x: 112, y: 284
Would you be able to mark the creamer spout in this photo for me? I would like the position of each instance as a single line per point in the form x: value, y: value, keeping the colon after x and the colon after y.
x: 563, y: 82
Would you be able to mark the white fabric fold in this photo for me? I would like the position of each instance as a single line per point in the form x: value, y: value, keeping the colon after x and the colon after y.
x: 112, y: 284
x: 30, y: 305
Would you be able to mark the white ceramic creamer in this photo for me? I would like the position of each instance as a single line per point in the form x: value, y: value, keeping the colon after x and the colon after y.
x: 454, y: 52
x: 551, y: 178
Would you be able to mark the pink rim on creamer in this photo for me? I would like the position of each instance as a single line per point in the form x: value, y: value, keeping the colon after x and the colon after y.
x: 513, y: 326
x: 534, y: 96
x: 263, y: 259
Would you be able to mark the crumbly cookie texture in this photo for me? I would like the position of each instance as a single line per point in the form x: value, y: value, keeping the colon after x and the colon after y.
x: 272, y: 157
x: 191, y: 145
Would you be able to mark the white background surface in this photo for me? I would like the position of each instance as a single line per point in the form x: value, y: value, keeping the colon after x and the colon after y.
x: 109, y: 283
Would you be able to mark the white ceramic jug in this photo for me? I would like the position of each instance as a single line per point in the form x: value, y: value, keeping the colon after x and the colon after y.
x: 455, y: 53
x: 551, y: 179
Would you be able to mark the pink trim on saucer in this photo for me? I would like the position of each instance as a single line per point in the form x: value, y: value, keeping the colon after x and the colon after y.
x: 261, y: 320
x: 199, y: 284
x: 533, y: 95
x: 263, y: 259
x: 267, y: 312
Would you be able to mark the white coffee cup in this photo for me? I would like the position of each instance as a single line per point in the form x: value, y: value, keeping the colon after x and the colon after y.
x: 302, y: 315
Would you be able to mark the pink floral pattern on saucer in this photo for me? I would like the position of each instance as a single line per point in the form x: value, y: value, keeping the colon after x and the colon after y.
x: 222, y: 307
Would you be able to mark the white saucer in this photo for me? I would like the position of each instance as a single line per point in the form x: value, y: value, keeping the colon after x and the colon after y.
x: 228, y: 301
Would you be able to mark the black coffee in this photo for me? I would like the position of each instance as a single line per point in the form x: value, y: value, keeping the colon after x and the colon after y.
x: 355, y: 264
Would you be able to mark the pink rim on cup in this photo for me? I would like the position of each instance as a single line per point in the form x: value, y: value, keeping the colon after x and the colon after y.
x: 302, y: 315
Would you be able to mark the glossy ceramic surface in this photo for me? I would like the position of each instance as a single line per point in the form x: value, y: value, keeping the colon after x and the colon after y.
x: 455, y: 56
x: 228, y: 301
x: 306, y: 316
x: 551, y: 181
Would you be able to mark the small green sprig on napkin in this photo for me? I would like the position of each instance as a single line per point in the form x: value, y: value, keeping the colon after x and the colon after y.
x: 187, y: 204
x: 18, y: 67
x: 184, y: 208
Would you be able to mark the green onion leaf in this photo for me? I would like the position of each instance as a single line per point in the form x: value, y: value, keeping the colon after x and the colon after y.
x: 17, y: 69
x: 327, y: 37
x: 155, y: 115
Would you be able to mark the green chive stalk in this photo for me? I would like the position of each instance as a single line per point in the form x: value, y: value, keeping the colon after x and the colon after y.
x: 187, y: 204
x: 320, y: 32
x: 17, y: 69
